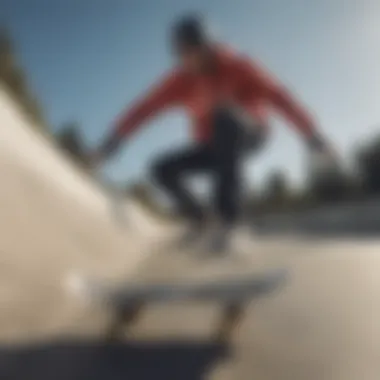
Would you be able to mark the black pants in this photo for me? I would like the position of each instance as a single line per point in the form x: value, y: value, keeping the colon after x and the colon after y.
x: 234, y: 136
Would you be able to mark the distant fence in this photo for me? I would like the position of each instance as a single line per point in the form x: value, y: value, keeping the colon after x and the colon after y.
x: 350, y: 218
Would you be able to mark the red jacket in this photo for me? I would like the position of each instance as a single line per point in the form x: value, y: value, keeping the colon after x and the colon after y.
x: 236, y: 78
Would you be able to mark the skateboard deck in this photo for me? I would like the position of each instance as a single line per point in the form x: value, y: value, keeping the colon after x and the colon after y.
x: 127, y: 300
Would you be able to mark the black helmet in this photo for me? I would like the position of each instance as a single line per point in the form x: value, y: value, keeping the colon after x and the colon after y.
x: 190, y: 31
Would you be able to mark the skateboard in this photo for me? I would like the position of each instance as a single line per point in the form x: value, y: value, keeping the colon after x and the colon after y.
x: 127, y: 301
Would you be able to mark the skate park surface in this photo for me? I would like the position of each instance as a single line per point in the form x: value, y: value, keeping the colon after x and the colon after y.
x: 324, y: 324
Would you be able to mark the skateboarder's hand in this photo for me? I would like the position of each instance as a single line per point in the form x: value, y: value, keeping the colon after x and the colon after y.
x: 105, y: 151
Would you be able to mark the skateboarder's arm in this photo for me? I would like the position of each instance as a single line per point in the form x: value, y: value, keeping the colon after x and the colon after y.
x: 269, y: 89
x: 164, y: 94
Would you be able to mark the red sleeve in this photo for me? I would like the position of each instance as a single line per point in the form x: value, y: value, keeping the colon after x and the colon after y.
x: 163, y: 95
x: 278, y: 96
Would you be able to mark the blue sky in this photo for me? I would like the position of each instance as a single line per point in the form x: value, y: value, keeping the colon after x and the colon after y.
x: 88, y: 59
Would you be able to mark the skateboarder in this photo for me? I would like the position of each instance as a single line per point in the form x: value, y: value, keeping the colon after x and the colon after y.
x: 228, y: 97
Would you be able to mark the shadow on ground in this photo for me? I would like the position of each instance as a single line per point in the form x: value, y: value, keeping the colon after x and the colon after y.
x: 94, y: 360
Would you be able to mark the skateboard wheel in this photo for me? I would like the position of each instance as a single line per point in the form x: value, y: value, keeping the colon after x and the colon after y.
x: 231, y: 315
x: 123, y: 318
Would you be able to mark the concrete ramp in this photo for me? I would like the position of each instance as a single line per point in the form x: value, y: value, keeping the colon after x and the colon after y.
x: 324, y: 325
x: 53, y: 218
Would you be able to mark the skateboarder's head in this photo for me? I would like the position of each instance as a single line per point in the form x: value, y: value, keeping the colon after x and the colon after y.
x: 192, y: 41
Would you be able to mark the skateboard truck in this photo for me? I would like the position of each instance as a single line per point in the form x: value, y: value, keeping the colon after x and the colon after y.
x: 122, y: 318
x: 231, y: 315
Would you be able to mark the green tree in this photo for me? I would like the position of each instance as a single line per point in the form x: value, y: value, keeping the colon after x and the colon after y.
x: 367, y: 160
x: 13, y: 77
x: 277, y: 185
x: 275, y: 195
x: 328, y: 183
x: 7, y: 62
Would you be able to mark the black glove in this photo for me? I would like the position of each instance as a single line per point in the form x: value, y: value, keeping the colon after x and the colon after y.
x: 105, y: 151
x: 110, y: 146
